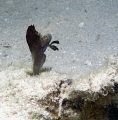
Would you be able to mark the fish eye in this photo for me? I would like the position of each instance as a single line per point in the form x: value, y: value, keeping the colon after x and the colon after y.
x: 46, y: 36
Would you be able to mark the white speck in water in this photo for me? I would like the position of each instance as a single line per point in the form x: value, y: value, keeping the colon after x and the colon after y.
x: 67, y: 37
x: 6, y: 19
x: 88, y: 63
x: 81, y: 24
x: 14, y: 46
x: 7, y: 57
x: 100, y: 63
x: 67, y: 8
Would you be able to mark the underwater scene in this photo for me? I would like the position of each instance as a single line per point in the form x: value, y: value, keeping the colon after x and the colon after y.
x: 58, y: 60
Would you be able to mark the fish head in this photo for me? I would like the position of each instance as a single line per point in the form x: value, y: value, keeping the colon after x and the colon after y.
x: 46, y: 40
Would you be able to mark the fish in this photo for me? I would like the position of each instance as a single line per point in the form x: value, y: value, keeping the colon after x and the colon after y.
x: 37, y: 46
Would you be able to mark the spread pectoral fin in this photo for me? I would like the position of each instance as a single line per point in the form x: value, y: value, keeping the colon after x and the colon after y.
x: 53, y: 47
x: 54, y: 42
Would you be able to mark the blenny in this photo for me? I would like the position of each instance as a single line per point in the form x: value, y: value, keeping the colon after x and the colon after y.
x: 38, y: 45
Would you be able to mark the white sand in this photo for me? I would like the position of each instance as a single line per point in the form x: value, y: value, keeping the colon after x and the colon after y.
x: 88, y: 35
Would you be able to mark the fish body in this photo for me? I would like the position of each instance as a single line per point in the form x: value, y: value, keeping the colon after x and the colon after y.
x: 38, y: 45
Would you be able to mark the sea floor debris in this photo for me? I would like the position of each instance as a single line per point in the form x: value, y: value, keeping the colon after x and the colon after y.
x: 60, y: 98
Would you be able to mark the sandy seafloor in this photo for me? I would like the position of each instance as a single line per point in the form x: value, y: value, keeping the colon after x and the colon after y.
x: 88, y: 35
